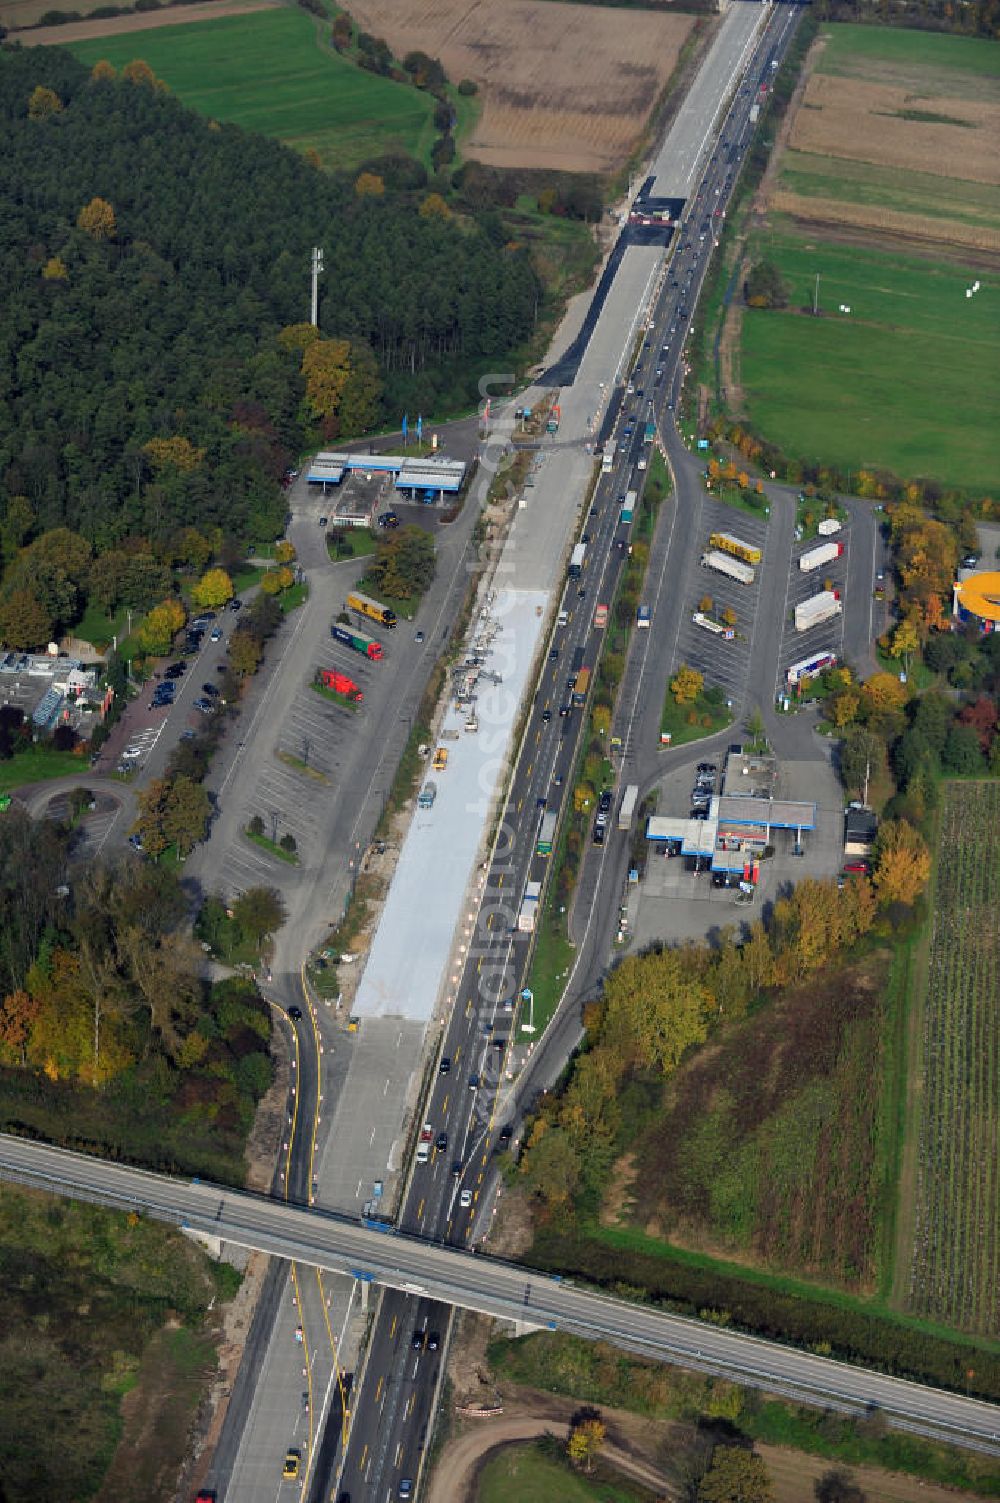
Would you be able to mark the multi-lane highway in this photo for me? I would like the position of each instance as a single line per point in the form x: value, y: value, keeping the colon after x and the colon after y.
x: 420, y: 1269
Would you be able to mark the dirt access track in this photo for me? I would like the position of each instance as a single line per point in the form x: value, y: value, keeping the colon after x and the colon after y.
x: 564, y: 87
x: 116, y: 26
x: 640, y: 1449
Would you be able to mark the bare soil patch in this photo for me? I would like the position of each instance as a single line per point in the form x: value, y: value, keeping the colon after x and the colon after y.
x: 113, y: 26
x: 565, y: 87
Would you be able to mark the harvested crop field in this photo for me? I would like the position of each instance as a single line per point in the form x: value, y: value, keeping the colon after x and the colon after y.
x: 896, y: 133
x: 564, y: 87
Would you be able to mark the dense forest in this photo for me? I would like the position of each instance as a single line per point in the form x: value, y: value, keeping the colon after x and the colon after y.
x: 152, y: 259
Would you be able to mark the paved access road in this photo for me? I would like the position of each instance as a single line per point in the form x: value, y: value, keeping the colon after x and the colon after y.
x: 500, y: 1289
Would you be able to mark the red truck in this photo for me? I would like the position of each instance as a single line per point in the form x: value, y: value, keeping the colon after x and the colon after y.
x: 341, y: 684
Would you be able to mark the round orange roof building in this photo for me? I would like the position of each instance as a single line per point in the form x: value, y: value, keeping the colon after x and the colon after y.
x: 978, y: 598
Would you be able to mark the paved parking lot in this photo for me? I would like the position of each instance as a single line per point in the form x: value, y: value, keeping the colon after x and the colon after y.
x: 722, y: 662
x: 828, y: 636
x: 674, y: 903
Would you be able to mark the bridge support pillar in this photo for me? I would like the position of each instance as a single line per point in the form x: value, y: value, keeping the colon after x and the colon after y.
x: 212, y: 1245
x: 364, y: 1296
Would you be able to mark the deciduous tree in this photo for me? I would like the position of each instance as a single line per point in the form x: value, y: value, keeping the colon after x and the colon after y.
x: 260, y: 911
x: 212, y: 590
x: 902, y: 862
x: 586, y: 1437
x: 24, y: 621
x: 735, y: 1476
x: 97, y: 219
x: 43, y: 103
x: 160, y: 626
x: 686, y: 684
x: 245, y: 653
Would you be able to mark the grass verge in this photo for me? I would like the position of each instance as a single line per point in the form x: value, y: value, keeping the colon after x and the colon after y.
x: 272, y: 848
x: 38, y: 764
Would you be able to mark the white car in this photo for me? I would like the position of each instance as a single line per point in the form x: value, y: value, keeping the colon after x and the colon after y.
x: 465, y: 1199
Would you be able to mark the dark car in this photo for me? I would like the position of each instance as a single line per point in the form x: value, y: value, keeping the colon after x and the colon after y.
x: 442, y: 1142
x: 604, y: 802
x: 211, y: 691
x: 565, y: 710
x: 506, y: 1133
x: 388, y: 519
x: 204, y: 705
x: 546, y: 716
x: 295, y: 1013
x: 433, y: 1341
x: 175, y: 670
x: 553, y: 654
x: 456, y: 1169
x: 236, y: 603
x: 417, y: 1341
x: 445, y: 1065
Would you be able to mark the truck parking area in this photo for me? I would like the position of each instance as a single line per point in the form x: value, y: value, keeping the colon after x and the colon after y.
x: 826, y: 636
x: 723, y: 659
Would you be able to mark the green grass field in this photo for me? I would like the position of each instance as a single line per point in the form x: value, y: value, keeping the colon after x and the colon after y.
x: 268, y: 72
x: 848, y: 48
x: 531, y: 1475
x: 908, y: 380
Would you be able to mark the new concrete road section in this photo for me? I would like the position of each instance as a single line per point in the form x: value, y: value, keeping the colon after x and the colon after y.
x: 496, y: 1288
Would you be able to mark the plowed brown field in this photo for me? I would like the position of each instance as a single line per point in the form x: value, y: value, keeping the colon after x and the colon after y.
x: 566, y: 87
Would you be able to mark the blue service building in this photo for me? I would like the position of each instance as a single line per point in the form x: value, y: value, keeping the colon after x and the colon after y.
x: 427, y: 479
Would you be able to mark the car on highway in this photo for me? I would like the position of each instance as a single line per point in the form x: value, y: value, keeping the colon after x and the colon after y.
x: 295, y: 1013
x: 445, y: 1066
x: 473, y: 1082
x: 506, y: 1133
x: 465, y: 1199
x: 442, y: 1142
x: 417, y: 1341
x: 456, y: 1169
x: 406, y: 1487
x: 293, y: 1460
x: 546, y: 715
x: 553, y: 654
x: 565, y: 710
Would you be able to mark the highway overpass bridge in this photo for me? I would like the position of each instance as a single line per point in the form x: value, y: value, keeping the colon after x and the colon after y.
x: 499, y: 1289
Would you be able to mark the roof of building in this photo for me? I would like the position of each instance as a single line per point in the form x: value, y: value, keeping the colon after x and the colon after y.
x: 770, y: 813
x: 429, y: 472
x: 980, y: 595
x: 326, y: 469
x: 860, y: 824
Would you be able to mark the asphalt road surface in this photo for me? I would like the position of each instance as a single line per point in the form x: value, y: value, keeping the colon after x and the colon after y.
x: 505, y: 1290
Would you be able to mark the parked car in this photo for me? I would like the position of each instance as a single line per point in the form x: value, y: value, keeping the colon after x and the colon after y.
x: 204, y: 705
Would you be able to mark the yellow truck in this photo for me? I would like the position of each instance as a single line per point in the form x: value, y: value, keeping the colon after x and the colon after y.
x: 440, y: 759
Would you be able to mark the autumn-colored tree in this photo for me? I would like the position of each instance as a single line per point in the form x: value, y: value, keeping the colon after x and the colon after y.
x: 43, y: 103
x: 705, y: 604
x: 54, y: 270
x: 844, y: 708
x: 103, y: 71
x: 24, y: 621
x: 883, y: 696
x: 369, y: 185
x: 551, y: 1164
x: 656, y: 1009
x: 139, y: 72
x: 982, y: 717
x: 18, y: 1012
x: 686, y: 684
x: 601, y: 719
x: 212, y: 590
x: 729, y: 616
x: 583, y: 797
x: 325, y: 366
x: 97, y: 219
x: 296, y: 338
x: 160, y: 626
x: 284, y: 552
x: 434, y: 207
x: 905, y: 640
x: 273, y: 581
x: 586, y: 1437
x: 735, y: 1476
x: 177, y: 453
x: 902, y: 862
x: 245, y: 653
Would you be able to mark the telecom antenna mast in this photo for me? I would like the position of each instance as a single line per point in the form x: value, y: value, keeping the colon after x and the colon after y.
x: 317, y: 268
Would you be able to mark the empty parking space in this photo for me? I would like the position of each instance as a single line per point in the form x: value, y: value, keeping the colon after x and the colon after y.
x: 724, y: 659
x: 826, y: 636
